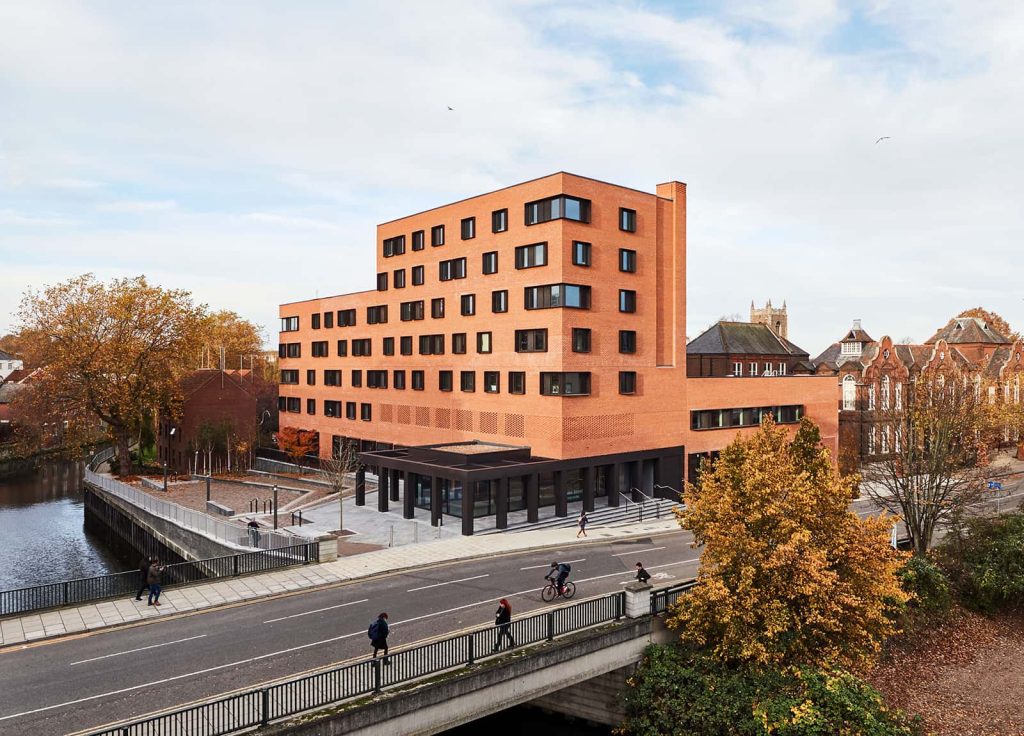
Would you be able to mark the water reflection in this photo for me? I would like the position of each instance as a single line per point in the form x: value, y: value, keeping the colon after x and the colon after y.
x: 42, y: 532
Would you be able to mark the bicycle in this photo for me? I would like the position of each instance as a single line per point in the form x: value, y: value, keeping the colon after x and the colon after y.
x: 550, y: 591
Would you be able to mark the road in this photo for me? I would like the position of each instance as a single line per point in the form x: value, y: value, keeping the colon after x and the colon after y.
x: 80, y: 683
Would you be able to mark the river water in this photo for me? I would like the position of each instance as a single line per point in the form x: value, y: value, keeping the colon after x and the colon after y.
x: 42, y: 529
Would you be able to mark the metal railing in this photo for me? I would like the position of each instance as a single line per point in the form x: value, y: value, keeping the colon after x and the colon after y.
x: 258, y: 707
x: 83, y: 590
x: 224, y: 531
x: 663, y: 599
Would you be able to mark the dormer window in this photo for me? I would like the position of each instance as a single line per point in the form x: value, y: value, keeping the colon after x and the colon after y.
x: 851, y: 348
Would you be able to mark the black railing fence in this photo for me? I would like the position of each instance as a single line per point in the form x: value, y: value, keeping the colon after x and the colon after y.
x: 69, y: 592
x: 663, y: 599
x: 246, y: 710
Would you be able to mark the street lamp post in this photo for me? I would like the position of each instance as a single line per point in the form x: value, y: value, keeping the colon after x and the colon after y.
x: 275, y: 505
x: 165, y: 477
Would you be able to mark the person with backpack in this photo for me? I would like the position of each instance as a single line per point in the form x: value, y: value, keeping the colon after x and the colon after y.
x: 143, y: 576
x: 559, y: 574
x: 378, y: 633
x: 503, y: 620
x: 582, y: 524
x: 641, y: 574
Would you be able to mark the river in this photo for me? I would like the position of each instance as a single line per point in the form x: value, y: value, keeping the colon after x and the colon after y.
x: 42, y: 529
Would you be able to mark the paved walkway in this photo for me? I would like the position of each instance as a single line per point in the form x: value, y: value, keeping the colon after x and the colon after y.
x: 93, y: 616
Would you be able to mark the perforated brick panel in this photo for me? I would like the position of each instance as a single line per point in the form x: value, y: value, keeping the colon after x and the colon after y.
x: 422, y: 416
x: 464, y: 420
x: 404, y: 414
x: 515, y: 425
x: 387, y: 413
x: 489, y: 422
x: 443, y: 418
x: 602, y: 426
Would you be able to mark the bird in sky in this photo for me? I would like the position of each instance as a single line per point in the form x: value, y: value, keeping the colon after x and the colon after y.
x: 451, y: 108
x: 883, y: 138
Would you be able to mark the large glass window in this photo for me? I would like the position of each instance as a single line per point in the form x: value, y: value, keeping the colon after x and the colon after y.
x: 346, y: 318
x: 744, y: 417
x: 394, y: 246
x: 412, y: 310
x: 289, y: 324
x: 627, y: 260
x: 627, y: 300
x: 377, y: 315
x: 532, y: 341
x: 290, y: 376
x: 517, y: 382
x: 452, y: 269
x: 319, y: 349
x: 332, y: 378
x: 557, y: 295
x: 627, y: 220
x: 332, y: 408
x: 580, y: 340
x: 565, y: 384
x: 580, y: 253
x: 531, y: 256
x: 431, y: 344
x: 554, y: 208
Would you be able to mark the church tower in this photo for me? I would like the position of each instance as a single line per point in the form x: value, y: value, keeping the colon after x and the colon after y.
x: 775, y: 318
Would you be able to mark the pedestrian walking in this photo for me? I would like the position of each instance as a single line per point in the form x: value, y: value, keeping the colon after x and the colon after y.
x: 378, y: 633
x: 583, y: 525
x: 153, y: 579
x: 641, y: 574
x: 254, y: 532
x: 503, y: 620
x: 143, y: 576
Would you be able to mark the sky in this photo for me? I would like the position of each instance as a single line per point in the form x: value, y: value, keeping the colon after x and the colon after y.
x: 245, y: 151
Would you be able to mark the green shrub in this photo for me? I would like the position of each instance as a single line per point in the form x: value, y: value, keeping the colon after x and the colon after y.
x: 986, y: 561
x: 924, y: 580
x: 683, y: 692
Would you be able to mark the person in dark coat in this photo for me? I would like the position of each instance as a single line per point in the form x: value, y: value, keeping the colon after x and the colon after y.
x: 143, y: 576
x: 641, y: 574
x: 153, y: 579
x: 582, y: 524
x: 503, y: 620
x: 379, y: 631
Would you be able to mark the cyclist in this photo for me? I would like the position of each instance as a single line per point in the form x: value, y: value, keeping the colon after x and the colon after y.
x: 558, y: 574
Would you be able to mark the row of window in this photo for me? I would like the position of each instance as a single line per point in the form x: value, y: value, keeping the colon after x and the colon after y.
x: 746, y: 417
x: 293, y: 404
x: 559, y: 207
x: 754, y: 369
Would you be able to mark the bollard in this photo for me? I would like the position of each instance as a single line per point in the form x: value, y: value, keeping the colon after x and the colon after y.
x: 391, y: 536
x: 207, y: 489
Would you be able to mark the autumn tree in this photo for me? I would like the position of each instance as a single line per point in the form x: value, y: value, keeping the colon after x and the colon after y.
x: 111, y: 352
x: 336, y: 469
x: 993, y: 319
x: 788, y: 574
x: 297, y: 443
x: 226, y: 334
x: 935, y: 446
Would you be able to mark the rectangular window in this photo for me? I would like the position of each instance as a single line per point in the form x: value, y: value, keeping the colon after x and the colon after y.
x: 293, y: 350
x: 580, y: 340
x: 444, y: 380
x: 459, y: 343
x: 412, y: 310
x: 565, y: 384
x: 282, y: 403
x: 745, y: 417
x: 627, y: 341
x: 394, y: 246
x: 332, y: 378
x: 737, y: 368
x: 490, y: 262
x: 314, y: 321
x: 377, y: 315
x: 357, y: 379
x: 362, y: 348
x: 417, y: 240
x: 350, y: 410
x: 328, y: 320
x: 332, y: 408
x: 531, y: 341
x: 346, y: 318
x: 467, y: 381
x: 398, y: 278
x: 499, y: 221
x: 417, y: 381
x: 627, y: 220
x: 468, y: 228
x: 555, y: 208
x: 627, y: 382
x: 468, y: 305
x: 437, y: 308
x: 452, y: 269
x: 531, y: 256
x: 376, y: 379
x: 627, y: 300
x: 382, y: 281
x: 753, y: 369
x: 492, y: 382
x: 437, y: 235
x: 557, y: 295
x: 417, y: 275
x: 627, y: 260
x: 499, y: 301
x: 483, y: 342
x: 289, y: 324
x: 405, y: 345
x: 516, y: 382
x: 294, y: 404
x: 366, y: 412
x: 389, y: 346
x: 399, y: 379
x: 310, y: 377
x: 431, y: 344
x: 319, y: 349
x: 580, y: 253
x: 782, y: 369
x: 290, y: 376
x: 342, y: 348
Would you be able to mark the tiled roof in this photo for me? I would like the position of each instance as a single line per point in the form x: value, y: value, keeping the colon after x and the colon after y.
x: 6, y: 356
x: 857, y: 335
x: 962, y: 330
x: 197, y: 379
x: 741, y: 337
x: 996, y: 362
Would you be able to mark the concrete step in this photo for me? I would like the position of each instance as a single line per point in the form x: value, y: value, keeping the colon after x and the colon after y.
x: 605, y: 516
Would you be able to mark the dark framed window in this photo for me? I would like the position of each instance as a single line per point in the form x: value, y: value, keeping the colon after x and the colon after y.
x: 294, y: 404
x: 311, y: 406
x: 516, y: 382
x: 452, y: 269
x: 557, y: 295
x: 376, y: 379
x: 382, y: 281
x: 282, y: 403
x: 532, y: 341
x: 342, y: 348
x: 492, y: 382
x: 627, y: 220
x: 627, y: 341
x: 289, y: 324
x: 388, y: 346
x: 417, y: 381
x: 377, y: 315
x: 405, y: 345
x: 357, y: 378
x: 398, y: 379
x: 467, y: 305
x: 467, y: 381
x: 580, y: 253
x: 627, y: 382
x: 483, y: 342
x: 417, y: 240
x: 293, y: 350
x: 444, y: 380
x: 437, y: 308
x: 627, y: 300
x: 319, y: 349
x: 412, y: 311
x: 362, y: 348
x: 490, y: 262
x: 565, y: 384
x: 431, y: 344
x: 398, y: 278
x: 627, y: 260
x: 532, y: 256
x: 328, y: 320
x: 350, y: 410
x: 346, y: 318
x: 332, y: 408
x: 745, y: 417
x: 394, y: 246
x: 310, y: 376
x: 555, y: 208
x: 468, y: 228
x: 417, y: 275
x: 499, y: 301
x: 290, y: 376
x: 580, y: 340
x: 437, y: 235
x: 332, y: 378
x: 366, y: 412
x: 499, y: 221
x: 314, y: 320
x: 459, y: 343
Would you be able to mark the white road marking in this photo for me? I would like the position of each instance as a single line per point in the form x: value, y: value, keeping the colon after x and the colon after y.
x: 318, y: 610
x: 535, y: 567
x: 448, y: 582
x: 638, y: 552
x: 132, y: 651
